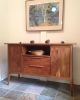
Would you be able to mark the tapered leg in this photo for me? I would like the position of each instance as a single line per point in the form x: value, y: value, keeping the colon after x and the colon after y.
x: 18, y: 75
x: 8, y: 79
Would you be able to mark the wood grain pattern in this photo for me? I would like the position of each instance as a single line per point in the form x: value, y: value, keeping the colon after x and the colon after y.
x: 56, y: 61
x: 14, y: 58
x: 36, y: 65
x: 60, y: 61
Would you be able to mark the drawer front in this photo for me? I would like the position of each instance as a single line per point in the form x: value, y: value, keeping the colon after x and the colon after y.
x: 40, y: 71
x: 34, y: 61
x: 36, y: 66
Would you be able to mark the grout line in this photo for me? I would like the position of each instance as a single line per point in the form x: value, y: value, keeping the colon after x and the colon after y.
x: 56, y: 95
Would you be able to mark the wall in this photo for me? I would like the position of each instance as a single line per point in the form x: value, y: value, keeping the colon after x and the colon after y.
x: 14, y: 30
x: 3, y: 37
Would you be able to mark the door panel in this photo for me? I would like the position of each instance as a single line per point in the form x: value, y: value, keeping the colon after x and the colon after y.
x: 14, y: 58
x: 60, y: 61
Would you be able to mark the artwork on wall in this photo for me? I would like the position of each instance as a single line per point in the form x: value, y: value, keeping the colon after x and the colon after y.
x: 44, y: 15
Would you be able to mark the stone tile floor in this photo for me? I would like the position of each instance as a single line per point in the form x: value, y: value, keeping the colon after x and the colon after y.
x: 32, y: 89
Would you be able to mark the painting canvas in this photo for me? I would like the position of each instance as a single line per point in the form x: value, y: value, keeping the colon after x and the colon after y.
x: 44, y: 15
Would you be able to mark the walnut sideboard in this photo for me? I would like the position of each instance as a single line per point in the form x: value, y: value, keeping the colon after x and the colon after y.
x: 55, y: 62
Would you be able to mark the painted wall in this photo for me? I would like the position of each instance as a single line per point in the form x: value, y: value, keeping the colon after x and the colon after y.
x: 13, y: 29
x: 3, y: 37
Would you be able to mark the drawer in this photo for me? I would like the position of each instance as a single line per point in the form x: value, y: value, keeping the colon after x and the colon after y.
x: 36, y: 65
x: 36, y: 61
x: 36, y: 70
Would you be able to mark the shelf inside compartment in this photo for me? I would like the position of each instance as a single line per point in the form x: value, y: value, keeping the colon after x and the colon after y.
x: 36, y: 56
x: 30, y: 48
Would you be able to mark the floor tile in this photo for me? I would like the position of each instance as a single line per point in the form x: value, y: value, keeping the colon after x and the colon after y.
x: 10, y: 86
x: 27, y: 96
x: 62, y: 96
x: 49, y: 92
x: 13, y: 95
x: 34, y: 89
x: 3, y: 92
x: 42, y: 97
x: 2, y: 98
x: 30, y: 96
x: 21, y: 87
x: 54, y: 85
x: 64, y: 88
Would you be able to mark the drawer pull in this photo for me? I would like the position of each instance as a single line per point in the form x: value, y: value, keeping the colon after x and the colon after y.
x: 36, y: 66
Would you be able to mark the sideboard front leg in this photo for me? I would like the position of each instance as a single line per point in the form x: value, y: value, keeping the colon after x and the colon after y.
x: 18, y: 75
x: 8, y: 79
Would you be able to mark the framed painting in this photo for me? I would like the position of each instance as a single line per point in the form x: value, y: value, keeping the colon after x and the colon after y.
x: 44, y: 15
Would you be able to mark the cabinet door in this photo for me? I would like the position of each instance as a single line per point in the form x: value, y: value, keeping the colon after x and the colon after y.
x: 14, y: 58
x: 60, y: 61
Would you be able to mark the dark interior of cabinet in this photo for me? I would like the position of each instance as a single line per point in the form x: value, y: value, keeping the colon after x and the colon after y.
x: 27, y: 49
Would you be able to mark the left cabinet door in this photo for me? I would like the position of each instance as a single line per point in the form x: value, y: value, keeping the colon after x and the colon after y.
x: 14, y: 58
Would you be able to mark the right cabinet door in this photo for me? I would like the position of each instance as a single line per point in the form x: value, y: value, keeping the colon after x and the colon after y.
x: 61, y: 61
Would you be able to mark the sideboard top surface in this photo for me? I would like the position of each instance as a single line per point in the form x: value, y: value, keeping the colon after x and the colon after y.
x: 42, y: 44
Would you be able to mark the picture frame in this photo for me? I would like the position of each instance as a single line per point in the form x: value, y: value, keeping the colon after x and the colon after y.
x: 44, y: 15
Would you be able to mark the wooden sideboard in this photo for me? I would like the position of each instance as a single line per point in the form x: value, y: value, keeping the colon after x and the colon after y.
x: 55, y: 62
